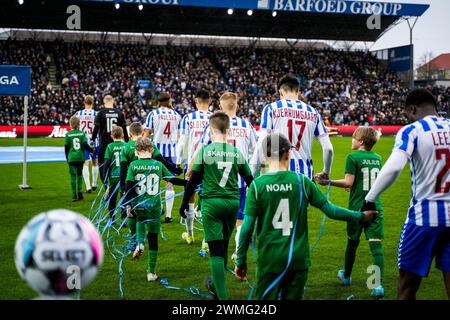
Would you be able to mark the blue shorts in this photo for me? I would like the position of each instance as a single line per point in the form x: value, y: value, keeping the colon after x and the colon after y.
x: 87, y: 156
x: 243, y: 192
x: 419, y: 245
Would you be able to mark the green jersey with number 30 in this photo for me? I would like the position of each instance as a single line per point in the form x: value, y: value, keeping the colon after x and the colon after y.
x: 112, y: 153
x: 365, y: 166
x: 221, y: 163
x: 146, y: 175
x: 275, y: 200
x: 75, y: 139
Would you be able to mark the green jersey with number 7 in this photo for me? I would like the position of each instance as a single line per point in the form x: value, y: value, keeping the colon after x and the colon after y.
x: 220, y: 164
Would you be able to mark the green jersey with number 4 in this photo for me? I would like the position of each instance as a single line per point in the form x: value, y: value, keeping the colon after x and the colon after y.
x: 221, y: 163
x: 278, y: 204
x: 113, y: 151
x: 365, y: 166
x: 146, y: 175
x: 128, y: 154
x: 75, y: 139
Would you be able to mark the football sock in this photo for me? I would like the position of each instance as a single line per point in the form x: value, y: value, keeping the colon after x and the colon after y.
x: 140, y: 232
x: 73, y: 183
x: 350, y: 256
x: 80, y: 182
x: 94, y: 176
x: 131, y: 222
x: 152, y: 256
x: 376, y: 248
x: 153, y: 252
x: 87, y: 182
x: 170, y: 198
x: 190, y: 220
x: 236, y: 237
x: 219, y: 276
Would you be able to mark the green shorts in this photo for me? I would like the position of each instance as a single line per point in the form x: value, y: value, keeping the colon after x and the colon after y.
x: 219, y: 218
x: 373, y: 229
x: 152, y: 225
x: 291, y: 286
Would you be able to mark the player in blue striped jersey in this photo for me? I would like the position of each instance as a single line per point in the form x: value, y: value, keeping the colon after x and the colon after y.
x: 241, y: 135
x: 87, y: 117
x: 191, y: 130
x: 426, y: 233
x: 300, y: 123
x: 163, y: 123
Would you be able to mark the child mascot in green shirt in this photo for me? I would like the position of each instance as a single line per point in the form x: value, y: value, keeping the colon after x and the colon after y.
x: 361, y: 170
x: 279, y: 201
x: 75, y: 142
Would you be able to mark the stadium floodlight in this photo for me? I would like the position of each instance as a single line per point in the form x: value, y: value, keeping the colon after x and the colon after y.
x: 249, y: 12
x: 20, y: 2
x: 117, y: 5
x: 141, y: 7
x: 274, y: 14
x: 230, y: 11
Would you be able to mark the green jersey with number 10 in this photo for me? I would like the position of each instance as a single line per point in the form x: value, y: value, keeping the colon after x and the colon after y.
x: 365, y: 166
x: 146, y: 175
x: 75, y: 139
x: 112, y: 153
x: 221, y: 163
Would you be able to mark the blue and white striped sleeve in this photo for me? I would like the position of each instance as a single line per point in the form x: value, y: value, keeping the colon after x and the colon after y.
x: 184, y: 126
x: 149, y: 121
x: 406, y: 140
x: 266, y: 119
x: 320, y: 126
x: 206, y: 137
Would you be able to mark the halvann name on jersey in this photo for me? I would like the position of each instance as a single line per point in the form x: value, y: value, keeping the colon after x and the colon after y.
x: 146, y: 167
x: 278, y: 187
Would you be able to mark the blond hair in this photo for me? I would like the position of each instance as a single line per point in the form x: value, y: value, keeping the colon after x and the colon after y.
x: 368, y: 136
x: 108, y: 99
x: 89, y: 100
x: 117, y: 132
x: 228, y: 101
x: 74, y: 123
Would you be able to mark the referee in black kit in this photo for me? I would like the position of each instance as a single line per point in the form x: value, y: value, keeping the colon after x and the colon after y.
x: 106, y: 119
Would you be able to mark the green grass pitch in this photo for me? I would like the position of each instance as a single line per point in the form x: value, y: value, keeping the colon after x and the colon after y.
x: 180, y: 263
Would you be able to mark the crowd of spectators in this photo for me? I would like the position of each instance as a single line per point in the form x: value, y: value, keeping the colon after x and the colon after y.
x: 348, y: 88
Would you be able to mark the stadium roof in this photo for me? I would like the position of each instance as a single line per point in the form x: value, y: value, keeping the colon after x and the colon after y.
x: 296, y: 19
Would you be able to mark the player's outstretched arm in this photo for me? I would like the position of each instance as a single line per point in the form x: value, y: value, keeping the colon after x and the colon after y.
x: 347, y: 182
x: 318, y: 200
x: 168, y: 165
x: 327, y: 153
x: 388, y: 174
x: 192, y: 185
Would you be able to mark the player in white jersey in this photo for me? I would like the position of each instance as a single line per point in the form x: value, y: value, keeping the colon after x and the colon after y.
x: 163, y: 123
x: 426, y: 232
x: 191, y: 130
x: 300, y: 123
x: 241, y: 135
x: 87, y: 117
